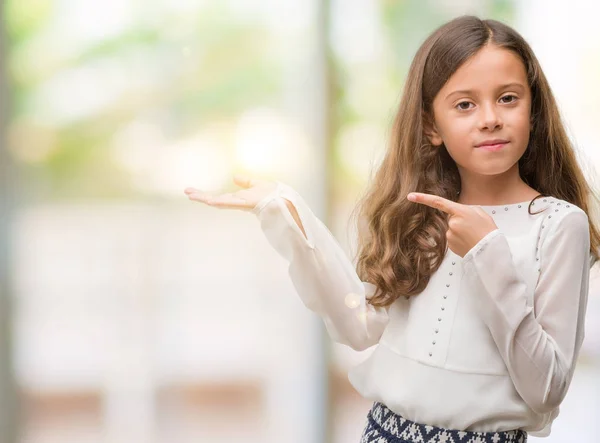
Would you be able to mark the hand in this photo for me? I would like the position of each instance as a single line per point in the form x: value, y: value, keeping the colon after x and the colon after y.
x: 467, y: 224
x: 245, y: 199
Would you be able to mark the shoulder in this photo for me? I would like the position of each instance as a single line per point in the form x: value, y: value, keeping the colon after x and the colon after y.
x: 564, y: 218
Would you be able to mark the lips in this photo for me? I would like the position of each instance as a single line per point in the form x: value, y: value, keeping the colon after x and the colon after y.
x: 492, y: 145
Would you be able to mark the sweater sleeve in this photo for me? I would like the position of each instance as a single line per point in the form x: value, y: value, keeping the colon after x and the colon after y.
x: 320, y: 271
x: 539, y: 344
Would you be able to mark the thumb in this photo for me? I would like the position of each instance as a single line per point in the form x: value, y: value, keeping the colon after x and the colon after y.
x: 243, y: 181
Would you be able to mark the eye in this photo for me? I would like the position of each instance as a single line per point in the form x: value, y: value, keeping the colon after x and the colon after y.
x: 512, y: 97
x: 460, y: 106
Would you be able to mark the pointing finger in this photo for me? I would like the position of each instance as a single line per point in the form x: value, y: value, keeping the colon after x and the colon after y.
x: 435, y: 201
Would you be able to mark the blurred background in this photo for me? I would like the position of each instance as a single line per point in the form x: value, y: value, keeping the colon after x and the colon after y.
x: 129, y: 314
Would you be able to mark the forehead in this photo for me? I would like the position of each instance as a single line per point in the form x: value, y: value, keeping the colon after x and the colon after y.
x: 488, y: 69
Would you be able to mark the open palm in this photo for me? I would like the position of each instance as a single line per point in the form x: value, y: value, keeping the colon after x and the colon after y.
x: 245, y: 199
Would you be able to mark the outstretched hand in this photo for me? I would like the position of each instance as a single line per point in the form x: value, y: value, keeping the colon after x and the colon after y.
x: 252, y: 192
x: 467, y: 225
x: 245, y: 199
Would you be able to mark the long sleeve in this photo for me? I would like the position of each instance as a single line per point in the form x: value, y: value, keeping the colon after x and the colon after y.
x: 539, y: 343
x: 320, y: 271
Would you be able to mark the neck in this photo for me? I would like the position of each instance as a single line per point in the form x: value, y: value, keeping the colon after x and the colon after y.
x: 494, y: 190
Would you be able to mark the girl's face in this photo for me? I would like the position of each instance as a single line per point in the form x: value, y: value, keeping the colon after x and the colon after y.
x: 486, y: 101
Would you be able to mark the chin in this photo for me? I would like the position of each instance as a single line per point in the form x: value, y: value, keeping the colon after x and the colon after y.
x: 492, y: 170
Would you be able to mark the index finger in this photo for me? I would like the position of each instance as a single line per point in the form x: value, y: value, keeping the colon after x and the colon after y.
x: 435, y: 201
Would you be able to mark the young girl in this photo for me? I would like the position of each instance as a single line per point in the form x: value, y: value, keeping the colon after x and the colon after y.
x: 474, y: 255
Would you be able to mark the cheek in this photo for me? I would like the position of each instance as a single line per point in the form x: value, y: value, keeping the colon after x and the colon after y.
x: 455, y: 144
x: 520, y: 125
x: 519, y: 116
x: 455, y: 130
x: 458, y: 136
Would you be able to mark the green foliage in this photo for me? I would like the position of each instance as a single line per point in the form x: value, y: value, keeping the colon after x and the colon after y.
x: 25, y: 18
x: 204, y: 66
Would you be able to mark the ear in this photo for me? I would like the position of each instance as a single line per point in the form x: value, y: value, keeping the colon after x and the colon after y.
x: 434, y: 137
x: 431, y: 131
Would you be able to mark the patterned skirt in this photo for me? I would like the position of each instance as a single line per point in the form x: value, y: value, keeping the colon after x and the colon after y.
x: 385, y: 426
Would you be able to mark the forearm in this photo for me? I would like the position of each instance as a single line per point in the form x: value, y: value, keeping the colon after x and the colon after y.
x: 323, y: 276
x: 294, y: 213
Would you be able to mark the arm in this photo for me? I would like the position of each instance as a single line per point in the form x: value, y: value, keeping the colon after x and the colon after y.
x: 540, y: 343
x: 322, y: 275
x: 295, y: 216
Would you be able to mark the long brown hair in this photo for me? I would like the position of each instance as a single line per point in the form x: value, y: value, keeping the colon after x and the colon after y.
x: 400, y: 244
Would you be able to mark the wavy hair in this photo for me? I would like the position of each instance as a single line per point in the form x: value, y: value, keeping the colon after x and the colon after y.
x: 400, y: 244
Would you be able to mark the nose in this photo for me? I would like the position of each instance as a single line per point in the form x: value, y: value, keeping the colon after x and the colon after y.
x: 490, y: 119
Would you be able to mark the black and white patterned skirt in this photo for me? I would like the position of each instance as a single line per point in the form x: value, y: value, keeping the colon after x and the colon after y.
x: 385, y: 426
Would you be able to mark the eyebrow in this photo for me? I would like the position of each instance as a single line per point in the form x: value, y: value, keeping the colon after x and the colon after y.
x: 470, y: 91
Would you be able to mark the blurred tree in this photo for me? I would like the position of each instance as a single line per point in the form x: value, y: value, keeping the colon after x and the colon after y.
x: 175, y: 73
